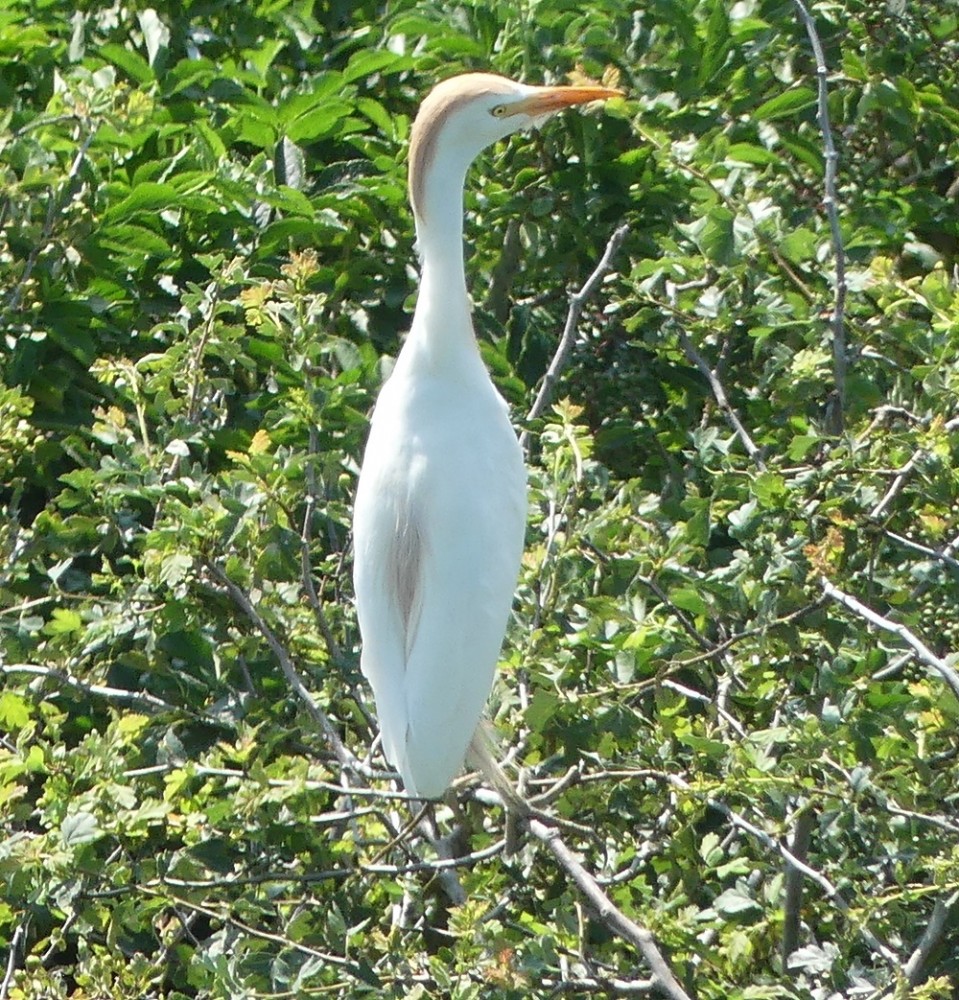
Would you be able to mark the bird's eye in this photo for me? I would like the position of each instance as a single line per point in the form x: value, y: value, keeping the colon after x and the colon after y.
x: 498, y: 111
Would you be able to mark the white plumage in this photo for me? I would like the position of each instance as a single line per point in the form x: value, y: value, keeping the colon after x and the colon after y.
x: 441, y: 504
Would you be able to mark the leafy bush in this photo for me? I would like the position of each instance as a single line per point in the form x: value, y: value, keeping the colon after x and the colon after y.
x: 730, y: 682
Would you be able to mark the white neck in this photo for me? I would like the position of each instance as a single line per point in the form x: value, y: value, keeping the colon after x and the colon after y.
x: 442, y: 322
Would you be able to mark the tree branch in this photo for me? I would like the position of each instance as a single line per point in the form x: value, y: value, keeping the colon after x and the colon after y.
x: 831, y: 202
x: 930, y: 939
x: 719, y: 393
x: 141, y: 698
x: 793, y: 894
x: 919, y: 648
x: 343, y: 755
x: 576, y: 302
x: 18, y: 935
x: 613, y: 918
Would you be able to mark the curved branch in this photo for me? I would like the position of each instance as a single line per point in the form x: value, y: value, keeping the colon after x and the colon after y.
x: 576, y: 302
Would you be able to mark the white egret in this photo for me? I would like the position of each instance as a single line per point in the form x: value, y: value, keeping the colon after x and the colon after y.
x: 441, y: 504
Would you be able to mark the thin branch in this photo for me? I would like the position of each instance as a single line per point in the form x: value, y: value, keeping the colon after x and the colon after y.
x: 99, y: 690
x: 289, y: 671
x: 576, y: 303
x: 612, y: 917
x: 831, y: 203
x: 256, y: 932
x: 719, y: 393
x: 316, y: 604
x: 903, y: 472
x: 18, y: 935
x: 827, y: 887
x: 604, y: 986
x: 930, y: 939
x: 921, y: 650
x: 941, y: 556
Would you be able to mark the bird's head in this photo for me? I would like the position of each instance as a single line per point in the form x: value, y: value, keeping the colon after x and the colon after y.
x: 463, y: 115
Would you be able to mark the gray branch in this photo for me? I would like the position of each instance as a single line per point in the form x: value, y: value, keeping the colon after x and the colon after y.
x: 320, y: 717
x: 919, y: 648
x: 612, y: 917
x: 930, y: 939
x: 63, y: 677
x: 576, y: 303
x: 831, y: 203
x: 719, y: 393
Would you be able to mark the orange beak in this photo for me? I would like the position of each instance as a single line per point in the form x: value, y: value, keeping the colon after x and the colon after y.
x: 546, y: 100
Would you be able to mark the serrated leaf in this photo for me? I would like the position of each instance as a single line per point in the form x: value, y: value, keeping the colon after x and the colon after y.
x: 14, y: 712
x: 175, y: 567
x: 63, y: 621
x: 260, y: 443
x: 80, y: 828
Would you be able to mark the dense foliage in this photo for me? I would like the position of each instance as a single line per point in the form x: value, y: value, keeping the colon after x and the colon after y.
x: 206, y: 265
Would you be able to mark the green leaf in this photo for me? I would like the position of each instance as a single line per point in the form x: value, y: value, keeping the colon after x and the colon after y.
x: 747, y: 152
x: 63, y: 621
x: 786, y: 104
x: 14, y: 712
x: 688, y: 600
x: 366, y: 63
x: 128, y: 238
x: 132, y: 63
x: 147, y: 197
x: 317, y: 122
x: 175, y: 568
x: 734, y: 905
x: 80, y: 828
x: 717, y: 45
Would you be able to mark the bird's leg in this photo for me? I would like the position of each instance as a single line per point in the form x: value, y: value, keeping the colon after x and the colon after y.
x: 518, y: 809
x: 446, y: 847
x: 482, y: 756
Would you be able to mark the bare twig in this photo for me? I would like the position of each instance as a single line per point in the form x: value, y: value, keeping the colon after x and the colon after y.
x: 919, y: 648
x: 141, y: 698
x: 831, y: 203
x: 612, y: 917
x: 343, y: 755
x: 316, y: 604
x: 930, y: 939
x: 576, y: 302
x: 18, y: 935
x: 719, y: 393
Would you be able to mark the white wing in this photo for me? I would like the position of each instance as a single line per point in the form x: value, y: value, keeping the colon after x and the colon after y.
x: 438, y: 529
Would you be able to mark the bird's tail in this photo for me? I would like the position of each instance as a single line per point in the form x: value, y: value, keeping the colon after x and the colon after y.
x: 483, y: 756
